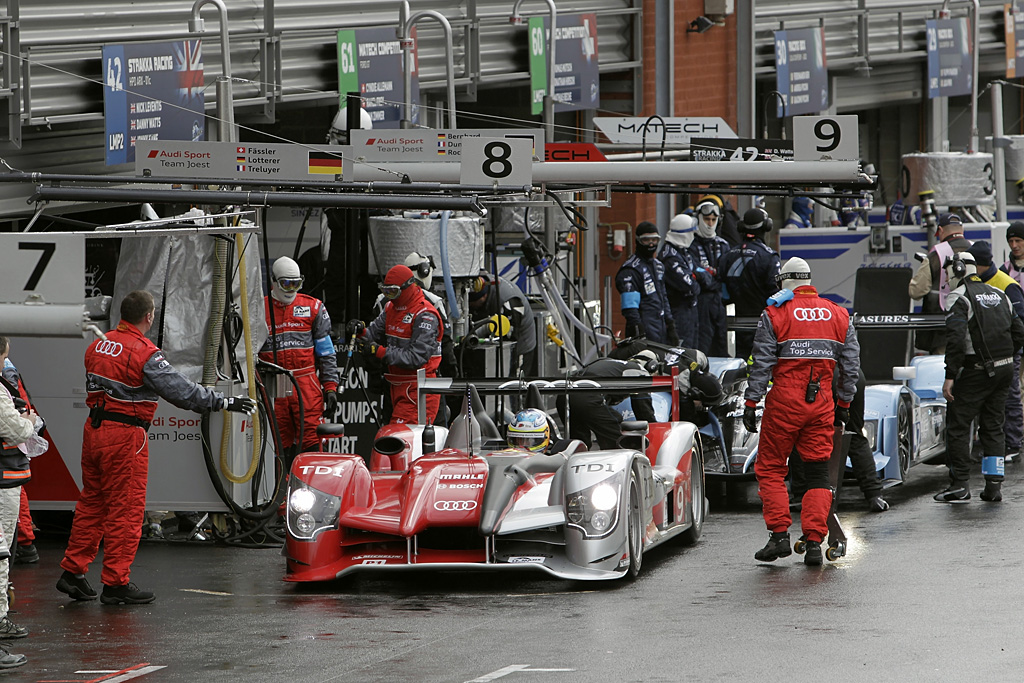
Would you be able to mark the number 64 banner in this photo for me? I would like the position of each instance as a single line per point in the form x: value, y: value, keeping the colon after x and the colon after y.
x: 42, y: 268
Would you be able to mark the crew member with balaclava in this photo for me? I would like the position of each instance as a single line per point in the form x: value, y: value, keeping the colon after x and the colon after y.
x: 406, y: 336
x: 1013, y: 424
x: 300, y: 341
x: 930, y: 284
x: 708, y: 249
x: 749, y: 272
x: 801, y: 213
x: 125, y: 375
x: 801, y: 340
x: 643, y: 297
x: 684, y: 279
x: 982, y: 337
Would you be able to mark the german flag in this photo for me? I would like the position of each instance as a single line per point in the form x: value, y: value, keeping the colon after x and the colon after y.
x: 326, y: 163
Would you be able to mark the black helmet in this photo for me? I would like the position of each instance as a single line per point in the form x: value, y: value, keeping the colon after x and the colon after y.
x: 756, y: 220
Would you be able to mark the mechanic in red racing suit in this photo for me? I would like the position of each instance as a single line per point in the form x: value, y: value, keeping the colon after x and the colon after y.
x: 125, y: 375
x: 801, y: 340
x: 302, y: 340
x: 406, y: 336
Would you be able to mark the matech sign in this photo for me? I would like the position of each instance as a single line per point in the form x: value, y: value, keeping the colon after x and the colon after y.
x: 677, y: 130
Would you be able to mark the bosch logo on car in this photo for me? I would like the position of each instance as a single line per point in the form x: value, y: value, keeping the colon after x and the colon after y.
x: 455, y: 505
x: 109, y: 348
x: 812, y: 314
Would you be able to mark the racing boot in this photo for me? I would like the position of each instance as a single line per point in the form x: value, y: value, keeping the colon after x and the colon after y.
x: 127, y: 595
x: 777, y: 546
x: 878, y: 504
x: 76, y: 586
x: 954, y: 493
x: 993, y: 492
x: 812, y: 554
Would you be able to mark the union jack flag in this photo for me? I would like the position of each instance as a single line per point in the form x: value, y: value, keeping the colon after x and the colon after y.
x: 188, y: 61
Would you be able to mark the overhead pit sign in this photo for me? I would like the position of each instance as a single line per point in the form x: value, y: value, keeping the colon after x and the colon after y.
x: 425, y: 144
x: 677, y: 130
x: 1013, y: 21
x: 577, y: 85
x: 801, y: 74
x: 950, y: 59
x: 151, y: 91
x: 240, y: 160
x: 370, y: 62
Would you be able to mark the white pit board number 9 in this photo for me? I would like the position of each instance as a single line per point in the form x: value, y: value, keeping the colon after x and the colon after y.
x: 505, y: 161
x: 40, y: 266
x: 834, y: 137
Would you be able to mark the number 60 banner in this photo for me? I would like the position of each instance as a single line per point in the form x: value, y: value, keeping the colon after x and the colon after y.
x: 44, y: 268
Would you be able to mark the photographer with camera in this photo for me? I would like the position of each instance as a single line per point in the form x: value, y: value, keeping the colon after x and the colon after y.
x: 982, y: 337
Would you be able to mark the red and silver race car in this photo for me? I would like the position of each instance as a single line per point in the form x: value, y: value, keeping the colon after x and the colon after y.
x: 475, y: 504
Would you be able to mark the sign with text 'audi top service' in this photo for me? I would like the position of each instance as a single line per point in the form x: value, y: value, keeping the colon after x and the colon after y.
x: 151, y: 91
x: 677, y: 129
x: 426, y: 144
x: 240, y: 160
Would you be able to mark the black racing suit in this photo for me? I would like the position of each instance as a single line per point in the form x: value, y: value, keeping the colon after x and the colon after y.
x: 982, y: 336
x: 591, y: 412
x: 708, y: 254
x: 749, y: 273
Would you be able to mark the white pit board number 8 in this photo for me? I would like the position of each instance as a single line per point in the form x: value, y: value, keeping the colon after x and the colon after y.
x: 505, y: 161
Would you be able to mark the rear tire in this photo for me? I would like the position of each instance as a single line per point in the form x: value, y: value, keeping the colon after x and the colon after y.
x: 635, y: 536
x: 904, y: 442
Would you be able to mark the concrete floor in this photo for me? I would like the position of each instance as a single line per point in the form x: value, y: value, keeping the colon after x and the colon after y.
x: 927, y: 592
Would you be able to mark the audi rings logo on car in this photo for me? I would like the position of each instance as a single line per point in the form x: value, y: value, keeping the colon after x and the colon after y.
x: 109, y: 348
x: 812, y: 314
x: 455, y: 505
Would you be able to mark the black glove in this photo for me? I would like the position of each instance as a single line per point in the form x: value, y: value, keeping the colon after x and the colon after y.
x: 330, y: 403
x: 671, y: 336
x: 750, y: 419
x: 240, y: 404
x: 355, y: 327
x: 634, y: 330
x: 367, y: 347
x: 842, y: 415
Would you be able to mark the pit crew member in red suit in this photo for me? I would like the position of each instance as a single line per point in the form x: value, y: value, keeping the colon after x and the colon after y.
x: 125, y: 375
x: 406, y: 336
x: 302, y: 338
x: 801, y: 340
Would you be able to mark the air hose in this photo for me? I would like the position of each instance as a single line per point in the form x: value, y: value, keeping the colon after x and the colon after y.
x: 449, y: 288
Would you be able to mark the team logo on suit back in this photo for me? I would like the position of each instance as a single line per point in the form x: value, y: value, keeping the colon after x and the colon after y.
x: 109, y: 348
x: 812, y: 314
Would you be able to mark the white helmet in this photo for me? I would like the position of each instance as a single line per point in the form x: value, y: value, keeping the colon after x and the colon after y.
x: 708, y: 214
x: 680, y: 231
x: 286, y: 280
x: 422, y: 268
x: 958, y: 267
x: 794, y: 273
x: 340, y: 124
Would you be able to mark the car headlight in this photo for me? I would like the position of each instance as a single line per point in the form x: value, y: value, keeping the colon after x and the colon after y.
x: 871, y: 433
x: 310, y: 510
x: 595, y: 509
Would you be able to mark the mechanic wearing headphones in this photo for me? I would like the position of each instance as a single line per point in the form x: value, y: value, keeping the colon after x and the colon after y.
x: 301, y: 342
x: 801, y: 340
x: 641, y: 285
x: 406, y: 336
x: 1013, y: 425
x: 749, y: 272
x: 982, y: 337
x: 930, y: 285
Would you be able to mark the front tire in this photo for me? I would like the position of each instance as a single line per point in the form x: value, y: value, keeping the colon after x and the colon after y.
x: 692, y: 535
x: 903, y: 439
x: 635, y: 536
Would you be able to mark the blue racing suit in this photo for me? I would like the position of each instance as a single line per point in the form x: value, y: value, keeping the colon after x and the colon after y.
x: 683, y: 282
x: 749, y: 273
x: 708, y: 255
x: 644, y: 300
